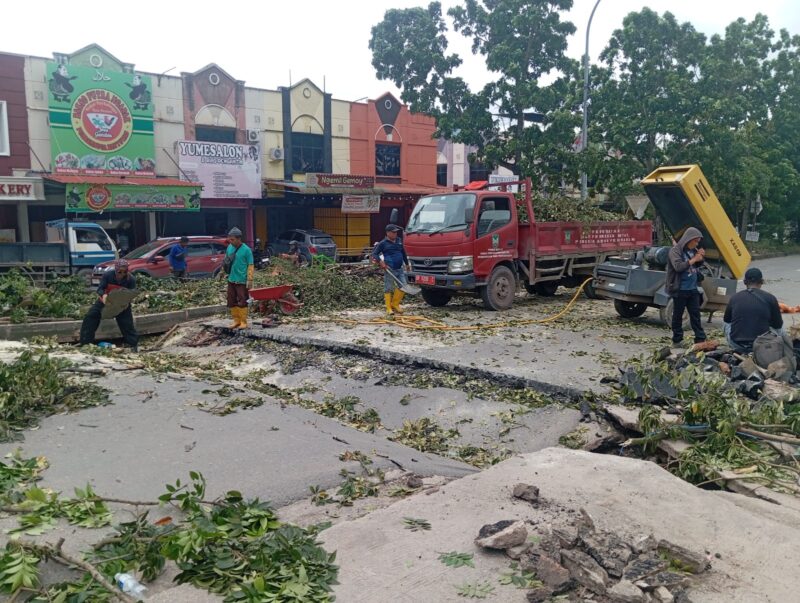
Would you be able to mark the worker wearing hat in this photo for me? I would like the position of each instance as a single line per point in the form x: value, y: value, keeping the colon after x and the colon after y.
x: 751, y: 313
x: 391, y: 255
x: 240, y: 277
x: 112, y: 279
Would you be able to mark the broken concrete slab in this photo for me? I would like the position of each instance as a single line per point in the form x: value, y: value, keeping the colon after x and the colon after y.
x: 526, y: 492
x: 689, y: 560
x: 756, y: 540
x: 624, y: 591
x: 502, y: 535
x: 552, y: 573
x: 585, y: 570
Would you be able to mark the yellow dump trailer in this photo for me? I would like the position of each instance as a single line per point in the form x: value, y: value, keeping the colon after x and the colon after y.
x: 683, y: 197
x: 350, y: 231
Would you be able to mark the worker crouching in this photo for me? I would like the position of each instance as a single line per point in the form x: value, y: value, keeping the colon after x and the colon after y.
x: 238, y: 264
x: 118, y: 278
x: 391, y: 255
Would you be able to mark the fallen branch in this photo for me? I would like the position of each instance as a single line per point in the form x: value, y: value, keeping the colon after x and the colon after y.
x: 769, y: 436
x: 54, y: 552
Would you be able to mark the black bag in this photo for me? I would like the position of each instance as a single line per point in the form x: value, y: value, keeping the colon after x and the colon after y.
x: 227, y: 263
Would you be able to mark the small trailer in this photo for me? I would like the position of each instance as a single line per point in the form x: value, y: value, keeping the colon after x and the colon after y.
x: 682, y: 197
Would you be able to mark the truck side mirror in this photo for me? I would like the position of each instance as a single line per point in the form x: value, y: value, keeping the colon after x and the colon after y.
x: 394, y: 216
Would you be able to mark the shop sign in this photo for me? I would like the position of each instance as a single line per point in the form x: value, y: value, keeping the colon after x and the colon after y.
x: 339, y: 181
x: 226, y: 171
x: 361, y: 204
x: 121, y: 197
x: 21, y: 189
x: 101, y: 122
x: 498, y: 179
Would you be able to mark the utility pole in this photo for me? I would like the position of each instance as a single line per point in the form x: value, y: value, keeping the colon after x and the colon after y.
x: 585, y: 130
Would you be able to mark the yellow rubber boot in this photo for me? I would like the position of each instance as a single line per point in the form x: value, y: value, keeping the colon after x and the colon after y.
x: 396, y: 299
x: 243, y: 318
x: 236, y: 319
x: 388, y: 299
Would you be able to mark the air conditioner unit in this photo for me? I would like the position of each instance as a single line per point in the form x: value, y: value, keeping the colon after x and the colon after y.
x: 277, y: 154
x: 252, y: 136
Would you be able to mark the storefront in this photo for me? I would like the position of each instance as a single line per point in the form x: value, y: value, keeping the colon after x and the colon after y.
x: 18, y: 194
x: 132, y: 210
x: 348, y: 207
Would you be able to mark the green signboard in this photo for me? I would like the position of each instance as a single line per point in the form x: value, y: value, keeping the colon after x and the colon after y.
x: 101, y: 122
x: 125, y: 197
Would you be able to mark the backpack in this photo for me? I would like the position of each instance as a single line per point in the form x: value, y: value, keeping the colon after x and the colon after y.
x: 227, y: 263
x: 770, y: 348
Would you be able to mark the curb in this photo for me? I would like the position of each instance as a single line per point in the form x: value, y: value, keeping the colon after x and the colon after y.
x: 68, y: 331
x: 561, y: 393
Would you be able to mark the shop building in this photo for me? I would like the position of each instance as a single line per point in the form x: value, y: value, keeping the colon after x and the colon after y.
x: 19, y: 191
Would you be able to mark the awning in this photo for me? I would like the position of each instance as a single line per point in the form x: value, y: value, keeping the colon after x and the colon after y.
x: 96, y: 194
x: 299, y: 188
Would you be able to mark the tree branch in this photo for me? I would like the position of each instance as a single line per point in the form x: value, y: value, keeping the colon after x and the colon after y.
x: 54, y: 552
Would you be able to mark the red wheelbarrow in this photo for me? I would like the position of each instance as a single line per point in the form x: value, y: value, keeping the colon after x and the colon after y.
x: 267, y: 298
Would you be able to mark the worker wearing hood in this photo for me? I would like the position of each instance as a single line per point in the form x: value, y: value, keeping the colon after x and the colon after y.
x: 685, y: 259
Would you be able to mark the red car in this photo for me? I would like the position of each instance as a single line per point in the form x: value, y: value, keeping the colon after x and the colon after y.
x: 203, y: 258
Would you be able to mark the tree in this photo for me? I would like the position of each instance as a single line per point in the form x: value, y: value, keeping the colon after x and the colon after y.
x: 521, y: 40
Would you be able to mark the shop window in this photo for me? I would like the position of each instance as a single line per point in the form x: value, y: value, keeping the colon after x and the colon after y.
x: 307, y: 152
x: 478, y: 172
x: 387, y: 160
x: 212, y: 134
x: 4, y: 146
x: 441, y: 174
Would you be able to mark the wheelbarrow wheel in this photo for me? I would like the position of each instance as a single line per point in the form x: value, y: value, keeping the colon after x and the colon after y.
x: 289, y: 304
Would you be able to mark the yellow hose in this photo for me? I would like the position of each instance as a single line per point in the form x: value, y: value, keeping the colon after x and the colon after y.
x: 423, y: 323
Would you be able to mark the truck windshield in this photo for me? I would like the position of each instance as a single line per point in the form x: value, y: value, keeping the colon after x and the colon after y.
x: 442, y: 212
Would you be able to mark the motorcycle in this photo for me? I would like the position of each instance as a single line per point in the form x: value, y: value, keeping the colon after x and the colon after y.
x: 261, y: 257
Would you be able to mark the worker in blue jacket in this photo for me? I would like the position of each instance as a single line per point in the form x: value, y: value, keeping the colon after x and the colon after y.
x: 177, y: 258
x: 395, y: 261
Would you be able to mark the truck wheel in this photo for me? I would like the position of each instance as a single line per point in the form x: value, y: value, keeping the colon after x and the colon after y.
x: 628, y: 309
x: 590, y: 292
x: 499, y: 292
x: 665, y: 314
x: 437, y: 297
x: 546, y: 289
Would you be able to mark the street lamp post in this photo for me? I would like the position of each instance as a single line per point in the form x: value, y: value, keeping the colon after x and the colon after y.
x: 585, y: 130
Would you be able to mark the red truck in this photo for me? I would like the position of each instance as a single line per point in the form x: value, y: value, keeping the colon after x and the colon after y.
x: 484, y: 242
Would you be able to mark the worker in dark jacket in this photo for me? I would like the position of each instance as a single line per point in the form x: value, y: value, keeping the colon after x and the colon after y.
x: 751, y: 313
x: 394, y: 261
x: 112, y: 279
x: 683, y: 266
x: 177, y: 258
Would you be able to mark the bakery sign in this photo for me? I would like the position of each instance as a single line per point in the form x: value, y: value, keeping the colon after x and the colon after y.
x: 21, y: 189
x: 361, y: 204
x: 339, y: 181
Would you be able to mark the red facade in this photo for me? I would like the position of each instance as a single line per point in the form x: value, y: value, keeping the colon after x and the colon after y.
x: 12, y: 90
x: 412, y: 131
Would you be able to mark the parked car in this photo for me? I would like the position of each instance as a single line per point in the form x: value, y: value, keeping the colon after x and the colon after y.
x: 310, y: 240
x: 203, y: 258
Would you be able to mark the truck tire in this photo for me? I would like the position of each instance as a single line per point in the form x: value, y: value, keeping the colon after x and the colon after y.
x: 547, y: 288
x: 85, y: 274
x: 590, y: 292
x: 437, y: 297
x: 499, y: 292
x: 628, y: 309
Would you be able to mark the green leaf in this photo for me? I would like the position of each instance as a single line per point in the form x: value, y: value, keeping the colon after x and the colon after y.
x: 475, y: 590
x: 455, y: 559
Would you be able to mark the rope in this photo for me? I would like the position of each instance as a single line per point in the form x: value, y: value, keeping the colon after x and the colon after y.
x: 421, y: 323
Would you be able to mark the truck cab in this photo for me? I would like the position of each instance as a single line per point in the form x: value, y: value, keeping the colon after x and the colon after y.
x: 88, y: 243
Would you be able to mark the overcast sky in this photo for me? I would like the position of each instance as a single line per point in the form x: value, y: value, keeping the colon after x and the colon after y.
x: 261, y: 42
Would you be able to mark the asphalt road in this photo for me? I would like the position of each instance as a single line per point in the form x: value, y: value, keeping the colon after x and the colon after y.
x: 782, y: 277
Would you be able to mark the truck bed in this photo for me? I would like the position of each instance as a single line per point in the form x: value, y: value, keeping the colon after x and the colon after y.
x: 33, y: 254
x: 543, y: 239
